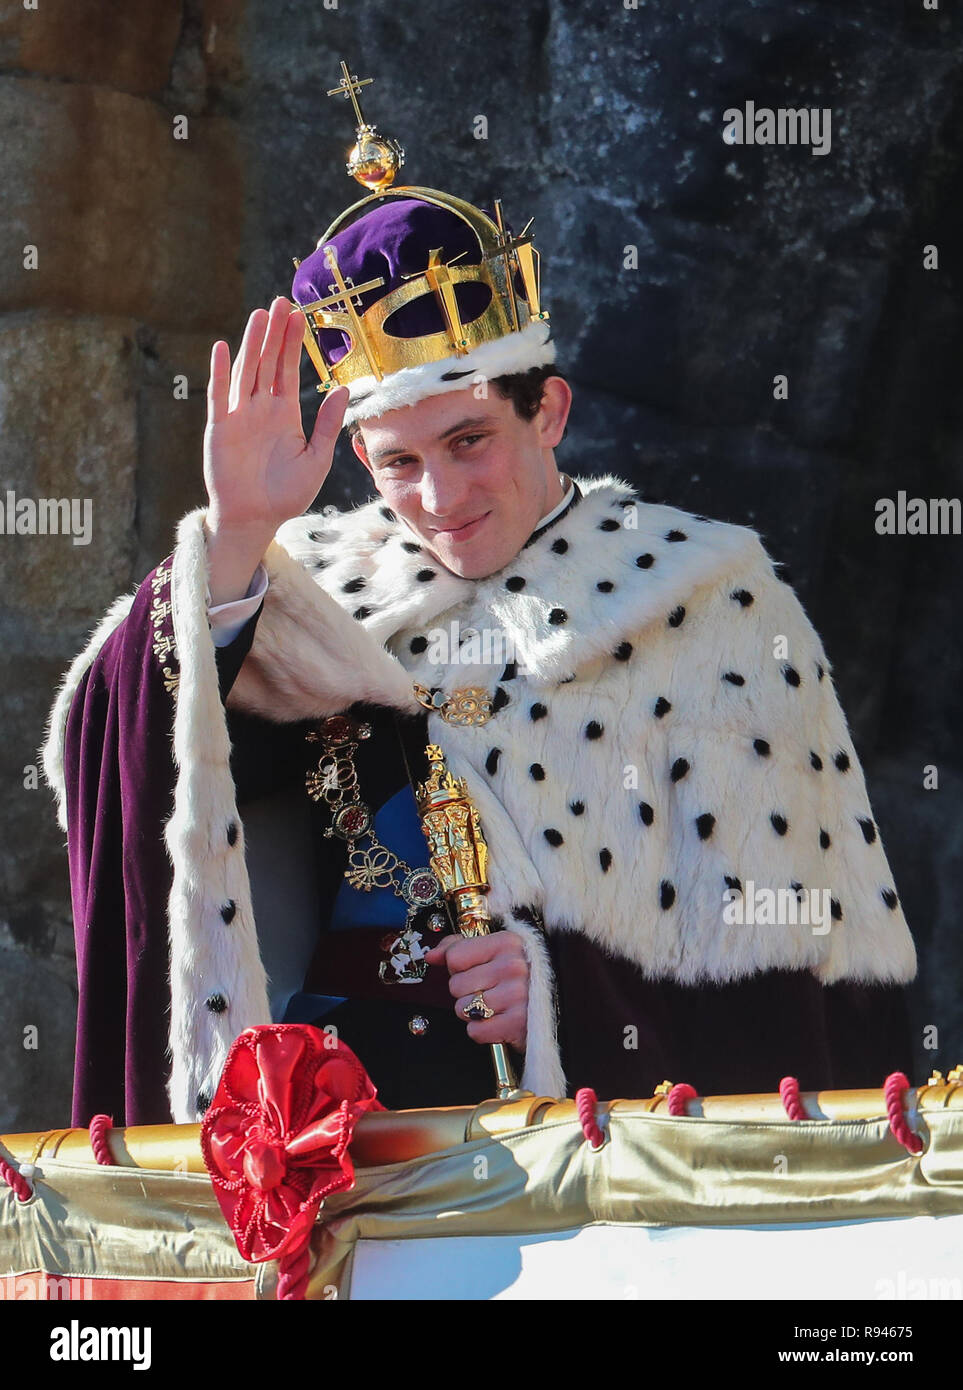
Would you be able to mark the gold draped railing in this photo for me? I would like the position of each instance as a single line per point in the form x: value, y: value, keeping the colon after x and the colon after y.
x: 395, y: 1136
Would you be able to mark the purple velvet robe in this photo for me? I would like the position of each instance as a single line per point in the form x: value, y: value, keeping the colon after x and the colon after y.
x: 120, y: 780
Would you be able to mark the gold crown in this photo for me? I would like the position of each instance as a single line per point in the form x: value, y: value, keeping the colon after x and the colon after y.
x: 506, y: 263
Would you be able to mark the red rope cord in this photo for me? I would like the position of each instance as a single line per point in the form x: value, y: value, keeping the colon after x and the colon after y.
x: 791, y: 1099
x: 585, y: 1103
x: 678, y: 1096
x: 894, y: 1088
x: 13, y: 1177
x: 293, y: 1272
x: 100, y: 1126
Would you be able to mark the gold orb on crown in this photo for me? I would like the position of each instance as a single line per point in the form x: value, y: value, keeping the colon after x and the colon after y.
x: 375, y: 160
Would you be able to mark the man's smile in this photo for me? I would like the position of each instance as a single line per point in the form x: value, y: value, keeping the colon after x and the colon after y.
x: 462, y: 533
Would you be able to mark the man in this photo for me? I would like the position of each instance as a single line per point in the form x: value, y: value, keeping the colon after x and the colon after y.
x: 642, y: 713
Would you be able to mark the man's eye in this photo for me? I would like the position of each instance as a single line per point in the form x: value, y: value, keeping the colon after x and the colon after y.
x: 469, y: 438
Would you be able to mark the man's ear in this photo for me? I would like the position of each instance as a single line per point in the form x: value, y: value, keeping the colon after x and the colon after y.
x: 357, y: 444
x: 553, y: 411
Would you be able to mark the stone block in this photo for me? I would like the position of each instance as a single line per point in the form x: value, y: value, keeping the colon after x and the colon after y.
x: 68, y: 433
x: 36, y: 1080
x: 125, y: 218
x: 130, y: 46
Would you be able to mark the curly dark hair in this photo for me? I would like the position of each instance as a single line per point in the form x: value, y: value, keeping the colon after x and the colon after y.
x: 523, y: 389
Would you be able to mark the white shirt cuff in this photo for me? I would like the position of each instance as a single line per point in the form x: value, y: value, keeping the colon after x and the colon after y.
x: 227, y: 619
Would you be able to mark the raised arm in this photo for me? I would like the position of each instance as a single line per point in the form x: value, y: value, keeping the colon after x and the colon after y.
x: 258, y: 467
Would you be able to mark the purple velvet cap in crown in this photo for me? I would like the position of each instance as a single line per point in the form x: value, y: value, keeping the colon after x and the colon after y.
x: 391, y: 242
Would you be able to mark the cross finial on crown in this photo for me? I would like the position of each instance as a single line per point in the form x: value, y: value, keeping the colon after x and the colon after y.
x: 349, y: 87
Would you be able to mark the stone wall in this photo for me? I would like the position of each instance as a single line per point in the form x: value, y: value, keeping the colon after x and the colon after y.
x: 683, y: 275
x: 136, y: 270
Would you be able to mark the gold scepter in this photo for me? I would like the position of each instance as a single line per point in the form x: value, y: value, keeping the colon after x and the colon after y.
x: 459, y: 858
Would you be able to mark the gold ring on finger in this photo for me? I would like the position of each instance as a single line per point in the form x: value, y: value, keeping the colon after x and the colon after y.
x: 477, y: 1009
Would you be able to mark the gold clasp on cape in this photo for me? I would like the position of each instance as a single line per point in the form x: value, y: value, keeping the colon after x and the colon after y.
x: 470, y: 704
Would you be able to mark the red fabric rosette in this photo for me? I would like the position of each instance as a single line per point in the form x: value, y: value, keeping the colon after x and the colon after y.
x: 276, y: 1136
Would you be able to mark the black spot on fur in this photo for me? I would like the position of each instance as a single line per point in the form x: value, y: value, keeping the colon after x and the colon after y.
x: 491, y: 762
x: 734, y: 884
x: 216, y: 1003
x: 666, y: 894
x: 841, y: 760
x: 609, y: 524
x: 605, y: 859
x: 835, y: 910
x: 387, y: 513
x: 576, y: 807
x: 593, y: 729
x: 705, y: 824
x: 645, y: 562
x: 232, y: 833
x: 228, y: 910
x: 515, y: 583
x: 605, y: 586
x: 679, y: 769
x: 500, y: 700
x: 424, y: 575
x: 677, y: 616
x: 661, y: 707
x: 510, y: 671
x: 779, y: 823
x: 889, y: 898
x: 560, y: 546
x: 646, y: 813
x: 417, y: 645
x: 537, y: 772
x: 362, y: 612
x: 554, y: 837
x: 825, y: 840
x: 623, y: 651
x: 815, y: 761
x: 734, y: 678
x: 762, y: 747
x: 791, y: 676
x: 676, y: 536
x: 557, y: 616
x: 868, y: 829
x: 412, y: 547
x: 538, y: 711
x: 742, y: 596
x: 353, y: 586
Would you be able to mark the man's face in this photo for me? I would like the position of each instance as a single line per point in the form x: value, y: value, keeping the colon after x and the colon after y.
x: 469, y: 477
